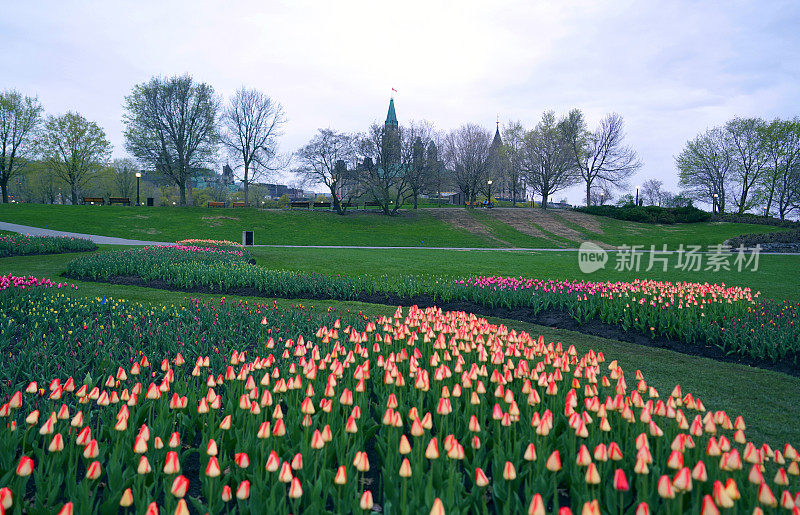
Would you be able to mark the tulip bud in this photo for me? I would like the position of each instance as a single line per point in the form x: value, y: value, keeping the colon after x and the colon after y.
x: 643, y: 509
x: 592, y: 474
x: 25, y: 467
x: 6, y: 498
x: 665, y: 488
x: 226, y: 493
x: 341, y: 475
x: 127, y: 498
x: 295, y: 490
x: 67, y: 509
x: 366, y: 500
x: 437, y: 508
x: 554, y: 462
x: 144, y: 466
x: 242, y: 460
x: 243, y: 491
x: 179, y: 486
x: 212, y: 469
x: 171, y: 464
x: 620, y: 481
x: 537, y: 506
x: 94, y: 470
x: 285, y: 475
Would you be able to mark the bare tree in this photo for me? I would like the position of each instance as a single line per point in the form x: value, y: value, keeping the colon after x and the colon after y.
x: 324, y: 160
x: 388, y: 159
x: 705, y: 166
x: 419, y: 173
x: 600, y: 155
x: 652, y: 192
x: 252, y: 123
x: 782, y: 148
x: 513, y: 140
x: 170, y: 126
x: 19, y: 118
x: 602, y: 192
x: 547, y: 160
x: 75, y: 149
x: 749, y: 157
x: 466, y: 152
x: 437, y: 174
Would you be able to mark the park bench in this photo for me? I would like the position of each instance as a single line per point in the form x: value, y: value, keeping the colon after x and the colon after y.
x: 94, y: 200
x: 119, y: 200
x: 371, y: 203
x: 297, y: 203
x: 238, y: 204
x: 322, y: 204
x: 216, y: 204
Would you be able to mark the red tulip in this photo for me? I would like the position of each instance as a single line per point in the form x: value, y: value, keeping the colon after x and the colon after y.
x: 366, y: 500
x: 620, y: 481
x: 6, y: 498
x: 226, y: 493
x: 179, y: 486
x: 242, y: 460
x: 172, y: 465
x: 67, y: 509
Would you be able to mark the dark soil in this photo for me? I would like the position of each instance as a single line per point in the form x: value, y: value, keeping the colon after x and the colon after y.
x: 556, y: 319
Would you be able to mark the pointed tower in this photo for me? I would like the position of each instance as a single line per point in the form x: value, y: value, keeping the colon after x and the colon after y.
x: 391, y: 116
x: 391, y: 136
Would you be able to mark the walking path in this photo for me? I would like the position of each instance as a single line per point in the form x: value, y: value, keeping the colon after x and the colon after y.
x: 110, y: 240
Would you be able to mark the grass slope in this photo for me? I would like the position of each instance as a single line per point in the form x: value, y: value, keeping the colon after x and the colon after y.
x: 302, y: 227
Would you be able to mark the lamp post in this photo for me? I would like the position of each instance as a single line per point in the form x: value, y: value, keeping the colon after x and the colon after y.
x: 637, y: 196
x: 714, y: 209
x: 489, y: 201
x: 138, y: 176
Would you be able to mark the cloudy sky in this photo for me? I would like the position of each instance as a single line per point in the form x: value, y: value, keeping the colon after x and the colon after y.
x: 671, y: 69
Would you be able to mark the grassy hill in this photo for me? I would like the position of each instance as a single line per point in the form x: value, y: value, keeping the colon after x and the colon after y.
x: 443, y: 227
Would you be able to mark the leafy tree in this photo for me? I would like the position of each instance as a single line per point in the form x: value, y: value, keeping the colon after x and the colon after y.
x: 323, y: 160
x: 705, y: 167
x: 19, y: 118
x: 547, y: 159
x: 782, y: 148
x: 253, y: 123
x: 746, y: 144
x: 600, y: 155
x: 170, y: 126
x: 123, y: 177
x: 75, y: 149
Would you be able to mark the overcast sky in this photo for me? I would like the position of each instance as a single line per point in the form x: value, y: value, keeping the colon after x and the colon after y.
x: 671, y: 69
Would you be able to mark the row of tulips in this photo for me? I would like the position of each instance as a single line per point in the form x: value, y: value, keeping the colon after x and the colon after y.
x: 15, y: 282
x: 23, y: 245
x: 423, y: 411
x: 731, y: 318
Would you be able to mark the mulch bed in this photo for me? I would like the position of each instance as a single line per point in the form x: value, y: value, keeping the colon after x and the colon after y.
x: 556, y: 319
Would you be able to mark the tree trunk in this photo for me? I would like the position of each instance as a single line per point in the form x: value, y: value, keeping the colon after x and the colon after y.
x: 74, y: 193
x: 544, y: 200
x: 588, y: 194
x: 182, y: 188
x: 337, y: 206
x: 415, y: 200
x: 246, y: 185
x: 4, y: 187
x: 246, y: 182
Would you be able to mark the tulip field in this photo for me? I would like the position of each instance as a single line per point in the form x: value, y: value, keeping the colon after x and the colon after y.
x: 108, y: 406
x: 22, y: 245
x: 731, y: 318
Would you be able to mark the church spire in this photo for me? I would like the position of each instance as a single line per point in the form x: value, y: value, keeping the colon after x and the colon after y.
x: 497, y: 139
x: 391, y: 117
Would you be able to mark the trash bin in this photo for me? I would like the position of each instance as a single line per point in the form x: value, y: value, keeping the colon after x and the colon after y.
x: 247, y: 238
x: 150, y: 201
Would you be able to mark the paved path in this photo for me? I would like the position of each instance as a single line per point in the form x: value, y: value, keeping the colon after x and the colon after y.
x: 110, y: 240
x: 37, y: 231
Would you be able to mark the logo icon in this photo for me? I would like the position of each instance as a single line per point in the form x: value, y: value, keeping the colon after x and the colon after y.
x: 591, y: 257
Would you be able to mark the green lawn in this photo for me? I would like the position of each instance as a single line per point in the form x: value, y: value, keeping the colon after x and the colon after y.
x: 769, y: 401
x: 416, y: 228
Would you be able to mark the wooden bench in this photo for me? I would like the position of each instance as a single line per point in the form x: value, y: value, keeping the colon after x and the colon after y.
x: 297, y: 203
x: 94, y: 200
x: 216, y: 204
x: 238, y: 204
x: 322, y: 204
x: 119, y: 200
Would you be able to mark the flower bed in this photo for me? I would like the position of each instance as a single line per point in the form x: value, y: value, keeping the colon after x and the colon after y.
x: 23, y: 245
x: 730, y: 319
x: 424, y: 411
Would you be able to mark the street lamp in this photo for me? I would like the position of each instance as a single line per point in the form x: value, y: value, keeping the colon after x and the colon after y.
x: 714, y: 209
x: 637, y: 195
x: 489, y: 202
x: 138, y: 176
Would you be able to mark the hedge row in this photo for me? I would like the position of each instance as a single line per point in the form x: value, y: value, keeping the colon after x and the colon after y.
x: 649, y: 214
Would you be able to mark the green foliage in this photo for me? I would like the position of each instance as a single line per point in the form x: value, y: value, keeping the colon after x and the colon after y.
x: 23, y: 245
x: 735, y: 327
x: 751, y: 240
x: 649, y: 214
